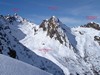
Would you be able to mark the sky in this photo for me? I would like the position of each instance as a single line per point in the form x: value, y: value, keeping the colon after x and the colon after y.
x: 70, y: 12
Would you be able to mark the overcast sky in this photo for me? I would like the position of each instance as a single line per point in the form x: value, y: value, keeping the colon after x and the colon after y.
x: 70, y: 12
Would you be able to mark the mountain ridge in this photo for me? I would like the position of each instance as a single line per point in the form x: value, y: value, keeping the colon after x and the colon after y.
x: 74, y: 50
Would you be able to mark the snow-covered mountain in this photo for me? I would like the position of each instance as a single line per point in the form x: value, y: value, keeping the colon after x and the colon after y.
x: 10, y: 34
x: 10, y: 66
x: 52, y: 46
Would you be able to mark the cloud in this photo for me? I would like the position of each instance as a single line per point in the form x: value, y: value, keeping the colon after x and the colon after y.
x: 69, y: 20
x: 73, y: 21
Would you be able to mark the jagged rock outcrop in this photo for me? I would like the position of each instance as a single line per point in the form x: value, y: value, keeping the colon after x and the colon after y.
x: 52, y: 46
x: 54, y: 30
x: 97, y: 38
x: 92, y: 25
x: 10, y: 46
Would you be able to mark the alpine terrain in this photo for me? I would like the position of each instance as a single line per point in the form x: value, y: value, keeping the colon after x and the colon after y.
x: 51, y: 46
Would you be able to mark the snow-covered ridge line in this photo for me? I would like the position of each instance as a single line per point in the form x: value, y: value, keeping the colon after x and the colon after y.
x: 11, y: 33
x: 10, y: 66
x: 74, y: 50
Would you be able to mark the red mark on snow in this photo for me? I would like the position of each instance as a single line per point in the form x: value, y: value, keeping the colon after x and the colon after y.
x: 44, y: 50
x: 53, y: 8
x: 91, y: 17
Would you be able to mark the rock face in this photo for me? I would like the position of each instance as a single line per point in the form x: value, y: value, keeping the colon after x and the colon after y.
x: 52, y: 46
x: 10, y: 46
x: 52, y: 27
x: 54, y: 30
x: 92, y: 25
x: 97, y: 38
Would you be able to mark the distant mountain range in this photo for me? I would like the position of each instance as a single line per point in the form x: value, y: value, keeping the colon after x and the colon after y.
x: 52, y: 46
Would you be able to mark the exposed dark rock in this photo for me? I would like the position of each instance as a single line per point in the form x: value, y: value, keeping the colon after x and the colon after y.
x: 11, y: 19
x: 51, y: 27
x: 92, y: 25
x: 81, y: 33
x: 0, y: 51
x: 6, y: 27
x: 12, y: 53
x: 97, y: 38
x: 42, y: 25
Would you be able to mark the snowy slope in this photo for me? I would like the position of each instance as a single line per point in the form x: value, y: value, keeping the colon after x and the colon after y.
x: 88, y: 46
x: 10, y: 46
x: 67, y: 51
x: 61, y: 50
x: 10, y: 66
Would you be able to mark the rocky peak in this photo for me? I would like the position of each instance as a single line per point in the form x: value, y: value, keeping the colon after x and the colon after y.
x: 54, y: 29
x: 15, y: 18
x: 10, y: 46
x: 44, y: 25
x: 54, y: 20
x: 92, y: 25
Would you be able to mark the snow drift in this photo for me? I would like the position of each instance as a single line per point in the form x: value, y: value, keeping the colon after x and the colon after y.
x: 10, y: 66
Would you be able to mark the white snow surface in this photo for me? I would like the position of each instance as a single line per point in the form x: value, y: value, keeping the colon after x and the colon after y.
x: 10, y: 66
x: 35, y: 43
x: 80, y: 56
x: 51, y: 49
x: 10, y: 34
